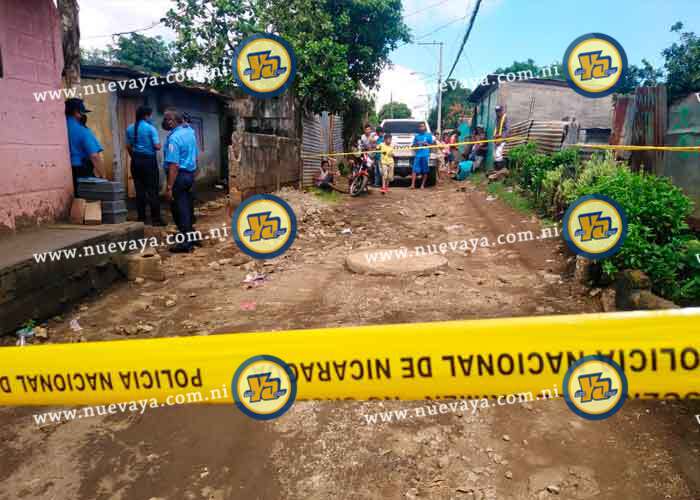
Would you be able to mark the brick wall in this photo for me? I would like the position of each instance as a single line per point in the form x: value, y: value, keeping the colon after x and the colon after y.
x: 35, y: 185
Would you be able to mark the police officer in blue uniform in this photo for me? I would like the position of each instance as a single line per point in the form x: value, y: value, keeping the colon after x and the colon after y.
x: 180, y: 161
x: 142, y: 142
x: 84, y: 147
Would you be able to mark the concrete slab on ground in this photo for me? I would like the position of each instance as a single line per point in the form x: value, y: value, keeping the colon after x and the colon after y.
x: 30, y: 289
x: 390, y: 262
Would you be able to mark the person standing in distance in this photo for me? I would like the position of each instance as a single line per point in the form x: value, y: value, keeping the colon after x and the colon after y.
x: 142, y: 142
x: 84, y: 147
x: 180, y: 162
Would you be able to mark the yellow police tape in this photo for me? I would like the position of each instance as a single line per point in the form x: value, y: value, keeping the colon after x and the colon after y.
x: 623, y: 147
x: 659, y: 352
x: 414, y: 148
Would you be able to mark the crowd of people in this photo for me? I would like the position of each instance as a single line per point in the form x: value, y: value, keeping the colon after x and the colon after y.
x: 142, y: 142
x: 376, y: 153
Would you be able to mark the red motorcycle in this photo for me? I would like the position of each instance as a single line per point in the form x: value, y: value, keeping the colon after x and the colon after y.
x: 359, y: 181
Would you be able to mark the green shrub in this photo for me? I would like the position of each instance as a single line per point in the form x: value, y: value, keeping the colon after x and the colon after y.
x: 658, y: 237
x: 658, y: 241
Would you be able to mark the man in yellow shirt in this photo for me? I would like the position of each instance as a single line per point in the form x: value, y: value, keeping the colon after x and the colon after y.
x: 387, y: 152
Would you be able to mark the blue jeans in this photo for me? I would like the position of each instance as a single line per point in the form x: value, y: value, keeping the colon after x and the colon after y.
x: 377, y: 170
x: 182, y: 205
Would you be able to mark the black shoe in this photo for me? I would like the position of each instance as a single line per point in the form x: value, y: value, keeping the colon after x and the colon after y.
x: 181, y: 248
x: 158, y: 223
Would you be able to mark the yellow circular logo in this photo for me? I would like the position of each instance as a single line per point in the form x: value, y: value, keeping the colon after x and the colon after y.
x: 595, y: 387
x: 595, y: 64
x: 264, y: 65
x: 595, y: 226
x: 264, y: 387
x: 264, y: 226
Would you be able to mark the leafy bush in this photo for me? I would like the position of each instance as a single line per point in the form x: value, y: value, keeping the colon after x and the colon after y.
x: 658, y: 240
x: 658, y: 236
x: 530, y: 168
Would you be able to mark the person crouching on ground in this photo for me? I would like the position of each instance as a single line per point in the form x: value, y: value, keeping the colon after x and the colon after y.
x: 325, y: 177
x: 387, y: 163
x: 142, y: 142
x: 421, y: 162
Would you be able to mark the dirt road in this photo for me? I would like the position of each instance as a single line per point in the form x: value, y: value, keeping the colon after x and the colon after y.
x: 329, y: 450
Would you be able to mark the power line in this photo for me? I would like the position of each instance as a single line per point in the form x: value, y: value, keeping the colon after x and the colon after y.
x: 125, y: 32
x: 466, y: 37
x: 442, y: 27
x: 425, y: 8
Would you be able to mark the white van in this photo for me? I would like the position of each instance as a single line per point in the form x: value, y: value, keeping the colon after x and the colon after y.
x: 402, y: 131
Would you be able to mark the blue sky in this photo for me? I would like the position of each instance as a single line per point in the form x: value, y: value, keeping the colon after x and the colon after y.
x: 508, y: 30
x: 505, y: 30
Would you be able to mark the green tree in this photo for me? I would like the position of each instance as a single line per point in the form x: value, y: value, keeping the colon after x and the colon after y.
x: 341, y: 47
x: 528, y: 69
x: 644, y: 76
x: 151, y: 54
x: 682, y: 63
x: 394, y: 110
x: 454, y: 105
x: 95, y: 56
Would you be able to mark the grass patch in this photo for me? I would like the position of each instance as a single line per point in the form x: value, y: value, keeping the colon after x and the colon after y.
x: 511, y: 197
x: 327, y: 196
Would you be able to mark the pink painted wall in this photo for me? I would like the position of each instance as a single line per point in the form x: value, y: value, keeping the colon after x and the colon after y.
x: 35, y: 171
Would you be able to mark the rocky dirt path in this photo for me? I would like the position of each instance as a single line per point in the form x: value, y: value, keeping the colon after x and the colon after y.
x: 329, y: 450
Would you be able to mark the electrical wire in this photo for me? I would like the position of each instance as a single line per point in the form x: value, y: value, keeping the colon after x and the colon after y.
x: 425, y: 8
x: 466, y: 37
x: 125, y: 32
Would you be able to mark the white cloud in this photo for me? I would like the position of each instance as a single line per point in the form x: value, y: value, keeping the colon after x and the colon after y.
x: 104, y: 17
x: 399, y: 84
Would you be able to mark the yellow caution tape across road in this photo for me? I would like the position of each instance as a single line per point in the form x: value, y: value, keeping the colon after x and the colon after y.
x: 414, y: 148
x: 623, y: 147
x: 659, y: 352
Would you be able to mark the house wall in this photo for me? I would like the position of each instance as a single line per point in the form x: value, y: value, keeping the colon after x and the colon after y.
x: 682, y: 168
x: 552, y: 102
x: 36, y: 183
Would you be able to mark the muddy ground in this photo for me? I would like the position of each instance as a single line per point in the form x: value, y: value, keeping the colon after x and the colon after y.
x: 649, y: 450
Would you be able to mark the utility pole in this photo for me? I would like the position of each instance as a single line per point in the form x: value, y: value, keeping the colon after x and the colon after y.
x: 439, y: 87
x: 391, y: 103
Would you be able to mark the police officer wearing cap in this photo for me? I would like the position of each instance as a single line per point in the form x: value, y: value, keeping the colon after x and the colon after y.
x: 84, y: 147
x: 180, y: 161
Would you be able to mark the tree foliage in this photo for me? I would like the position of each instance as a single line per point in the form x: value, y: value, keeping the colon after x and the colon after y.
x: 341, y: 47
x: 454, y: 106
x: 644, y: 76
x: 682, y: 63
x: 529, y: 66
x: 394, y: 110
x: 150, y: 54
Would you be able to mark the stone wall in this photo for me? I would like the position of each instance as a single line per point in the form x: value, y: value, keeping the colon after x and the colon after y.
x: 260, y: 163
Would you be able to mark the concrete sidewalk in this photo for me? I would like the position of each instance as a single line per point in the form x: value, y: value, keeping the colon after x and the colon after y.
x: 39, y: 290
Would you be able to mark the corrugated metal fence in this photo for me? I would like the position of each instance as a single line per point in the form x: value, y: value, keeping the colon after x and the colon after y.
x: 321, y: 134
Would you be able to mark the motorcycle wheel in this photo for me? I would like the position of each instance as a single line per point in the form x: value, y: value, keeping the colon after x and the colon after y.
x: 356, y: 186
